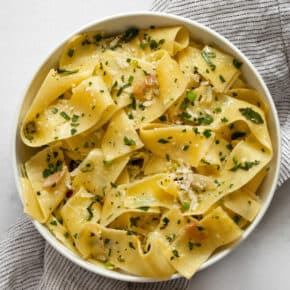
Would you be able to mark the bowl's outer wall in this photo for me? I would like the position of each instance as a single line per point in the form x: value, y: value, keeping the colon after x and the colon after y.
x: 118, y: 23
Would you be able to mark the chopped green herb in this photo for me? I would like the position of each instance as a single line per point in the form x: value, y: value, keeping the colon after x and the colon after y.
x: 244, y: 166
x: 170, y: 237
x: 206, y: 120
x: 185, y: 147
x: 107, y: 163
x: 66, y: 72
x: 73, y: 131
x: 98, y: 37
x: 207, y: 57
x: 52, y: 168
x: 191, y: 245
x: 237, y: 63
x: 71, y: 52
x: 165, y: 222
x: 167, y: 156
x: 186, y: 117
x: 207, y: 133
x: 88, y: 167
x: 237, y: 135
x: 236, y: 218
x: 163, y: 118
x: 54, y: 223
x: 114, y: 185
x: 107, y: 241
x: 222, y: 79
x: 130, y: 34
x: 251, y: 115
x: 74, y: 118
x: 133, y: 102
x: 65, y: 115
x: 144, y: 208
x: 54, y: 110
x: 134, y: 221
x: 175, y: 253
x: 186, y: 205
x: 189, y: 99
x: 195, y: 130
x: 89, y: 209
x: 224, y: 120
x: 218, y: 110
x: 131, y: 245
x: 163, y: 141
x: 129, y: 142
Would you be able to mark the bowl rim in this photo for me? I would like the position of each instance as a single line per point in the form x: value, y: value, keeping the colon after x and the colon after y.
x: 64, y: 251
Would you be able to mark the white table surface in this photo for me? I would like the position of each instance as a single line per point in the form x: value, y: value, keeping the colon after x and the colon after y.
x: 29, y: 30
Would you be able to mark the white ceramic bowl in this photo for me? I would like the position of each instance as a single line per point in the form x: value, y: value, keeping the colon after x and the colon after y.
x: 198, y: 32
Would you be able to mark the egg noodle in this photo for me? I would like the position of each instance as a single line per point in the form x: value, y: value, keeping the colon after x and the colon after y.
x: 151, y: 149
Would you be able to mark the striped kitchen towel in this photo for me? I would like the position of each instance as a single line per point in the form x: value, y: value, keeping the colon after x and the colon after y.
x: 261, y: 29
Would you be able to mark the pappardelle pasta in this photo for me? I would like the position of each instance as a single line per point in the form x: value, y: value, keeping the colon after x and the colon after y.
x: 151, y: 150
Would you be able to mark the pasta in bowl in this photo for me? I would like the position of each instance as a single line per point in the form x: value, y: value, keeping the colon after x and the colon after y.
x: 149, y: 148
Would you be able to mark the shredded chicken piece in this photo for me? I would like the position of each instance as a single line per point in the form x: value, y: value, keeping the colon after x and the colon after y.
x: 55, y: 178
x: 149, y: 83
x: 195, y: 231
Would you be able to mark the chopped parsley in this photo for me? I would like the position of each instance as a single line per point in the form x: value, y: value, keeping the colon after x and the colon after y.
x: 134, y: 221
x: 191, y: 245
x: 186, y: 205
x: 251, y: 115
x: 244, y: 166
x: 207, y: 133
x: 175, y: 253
x: 222, y: 79
x: 237, y: 63
x: 188, y: 100
x: 165, y: 222
x: 129, y: 142
x: 52, y: 168
x: 170, y: 237
x: 185, y: 147
x: 207, y: 58
x: 54, y: 223
x: 90, y: 211
x: 71, y: 52
x: 236, y: 218
x: 74, y: 118
x: 144, y: 208
x: 206, y: 120
x: 224, y: 120
x: 88, y: 167
x: 66, y: 72
x: 237, y: 135
x: 65, y: 115
x: 163, y: 118
x: 163, y: 141
x: 130, y: 34
x: 133, y: 102
x: 107, y: 163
